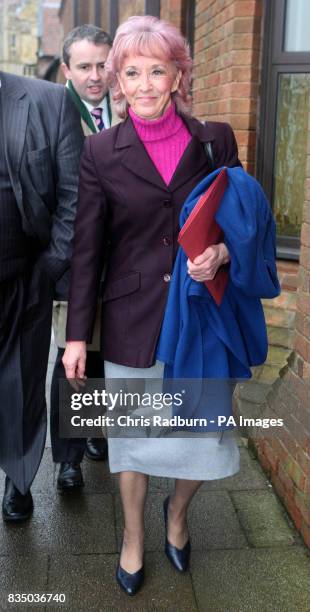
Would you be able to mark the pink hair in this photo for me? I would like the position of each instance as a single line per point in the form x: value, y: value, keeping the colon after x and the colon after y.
x: 150, y: 36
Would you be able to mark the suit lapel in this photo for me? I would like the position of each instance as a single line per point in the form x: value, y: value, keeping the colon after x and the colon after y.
x: 137, y: 160
x: 15, y: 111
x: 135, y: 157
x: 194, y: 156
x: 15, y: 108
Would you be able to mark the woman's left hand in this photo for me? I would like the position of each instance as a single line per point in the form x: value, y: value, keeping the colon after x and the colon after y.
x: 205, y: 266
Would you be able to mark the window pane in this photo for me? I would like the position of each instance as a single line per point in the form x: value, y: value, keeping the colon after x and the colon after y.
x: 291, y: 152
x: 297, y: 22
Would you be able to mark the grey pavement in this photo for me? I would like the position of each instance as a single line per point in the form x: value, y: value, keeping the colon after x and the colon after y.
x: 246, y: 554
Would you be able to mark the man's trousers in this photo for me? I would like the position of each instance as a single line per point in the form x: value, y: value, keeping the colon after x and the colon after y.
x: 69, y: 449
x: 25, y: 329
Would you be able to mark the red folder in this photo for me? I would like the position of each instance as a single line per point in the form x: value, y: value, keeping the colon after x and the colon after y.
x: 201, y: 231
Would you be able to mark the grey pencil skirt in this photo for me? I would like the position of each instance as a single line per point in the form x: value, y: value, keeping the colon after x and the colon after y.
x: 208, y: 457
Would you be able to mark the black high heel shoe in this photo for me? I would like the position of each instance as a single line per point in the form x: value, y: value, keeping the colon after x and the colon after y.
x: 130, y: 583
x: 179, y: 557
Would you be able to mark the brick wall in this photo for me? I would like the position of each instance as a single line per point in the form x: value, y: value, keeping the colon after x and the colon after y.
x: 286, y: 457
x: 51, y: 39
x: 227, y: 60
x: 66, y: 18
x: 228, y: 45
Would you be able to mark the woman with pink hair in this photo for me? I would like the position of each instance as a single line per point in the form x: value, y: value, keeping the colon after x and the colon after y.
x: 134, y: 180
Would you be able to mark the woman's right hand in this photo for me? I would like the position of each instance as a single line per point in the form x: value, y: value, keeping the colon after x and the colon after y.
x: 74, y: 359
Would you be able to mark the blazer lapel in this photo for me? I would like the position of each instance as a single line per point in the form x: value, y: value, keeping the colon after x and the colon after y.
x: 137, y: 160
x: 194, y: 157
x: 135, y: 157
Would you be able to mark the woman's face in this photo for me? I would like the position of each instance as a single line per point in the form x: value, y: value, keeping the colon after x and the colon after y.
x: 147, y: 84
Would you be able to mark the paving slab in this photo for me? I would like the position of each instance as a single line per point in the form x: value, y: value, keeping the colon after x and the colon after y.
x: 263, y: 518
x: 154, y: 521
x: 74, y: 523
x: 250, y: 476
x: 44, y: 481
x: 252, y: 580
x: 212, y: 521
x: 89, y: 583
x: 166, y: 485
x: 252, y: 391
x: 247, y: 556
x: 22, y: 574
x: 247, y: 410
x: 97, y: 477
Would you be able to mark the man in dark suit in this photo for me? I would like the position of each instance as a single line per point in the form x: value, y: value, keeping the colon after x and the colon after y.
x: 85, y: 51
x: 40, y: 146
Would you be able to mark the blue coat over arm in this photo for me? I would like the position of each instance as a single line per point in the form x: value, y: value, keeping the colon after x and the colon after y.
x: 199, y: 339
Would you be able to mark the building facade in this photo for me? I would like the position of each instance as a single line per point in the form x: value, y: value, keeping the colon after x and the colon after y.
x: 19, y: 36
x: 251, y: 69
x: 30, y: 37
x: 49, y: 39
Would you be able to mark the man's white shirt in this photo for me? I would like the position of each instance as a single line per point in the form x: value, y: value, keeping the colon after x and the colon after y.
x: 105, y: 114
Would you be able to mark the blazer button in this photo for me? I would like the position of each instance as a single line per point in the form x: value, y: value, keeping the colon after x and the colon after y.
x: 167, y: 203
x: 167, y: 278
x: 166, y: 241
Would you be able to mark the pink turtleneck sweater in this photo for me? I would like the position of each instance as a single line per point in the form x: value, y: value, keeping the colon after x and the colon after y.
x: 165, y: 140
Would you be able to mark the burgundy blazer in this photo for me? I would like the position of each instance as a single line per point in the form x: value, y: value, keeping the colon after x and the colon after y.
x: 128, y: 219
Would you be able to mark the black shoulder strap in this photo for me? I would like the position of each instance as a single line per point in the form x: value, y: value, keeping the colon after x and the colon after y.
x: 209, y: 154
x: 209, y: 151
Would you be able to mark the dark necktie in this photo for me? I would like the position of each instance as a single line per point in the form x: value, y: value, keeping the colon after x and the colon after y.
x: 97, y: 114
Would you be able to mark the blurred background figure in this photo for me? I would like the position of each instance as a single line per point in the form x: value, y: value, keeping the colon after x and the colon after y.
x: 85, y: 51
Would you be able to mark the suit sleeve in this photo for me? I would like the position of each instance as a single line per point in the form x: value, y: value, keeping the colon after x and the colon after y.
x: 88, y: 250
x: 55, y: 259
x: 226, y: 148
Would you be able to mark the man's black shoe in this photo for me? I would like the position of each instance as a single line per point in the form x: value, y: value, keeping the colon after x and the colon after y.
x: 96, y: 449
x: 15, y: 506
x: 70, y: 477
